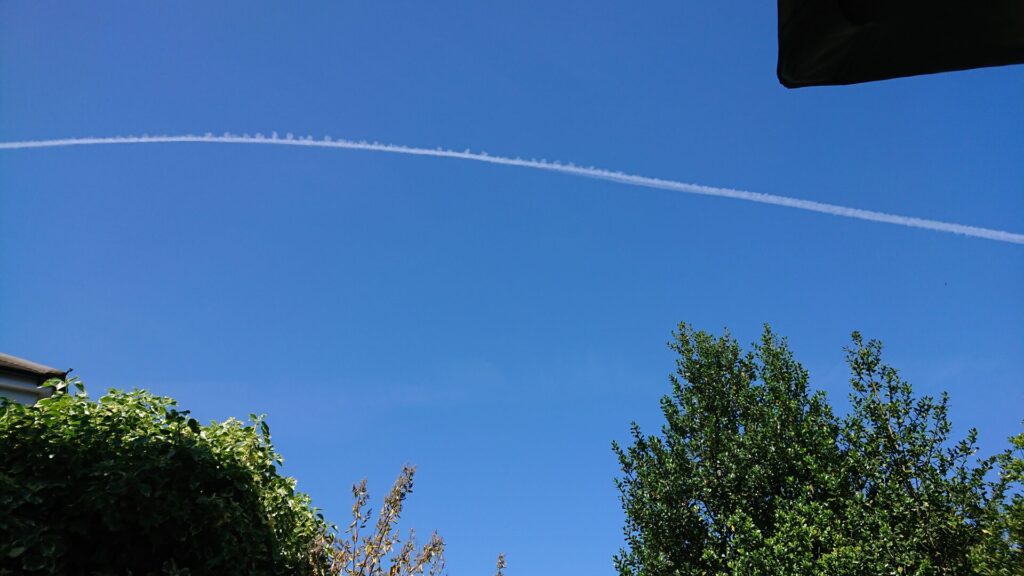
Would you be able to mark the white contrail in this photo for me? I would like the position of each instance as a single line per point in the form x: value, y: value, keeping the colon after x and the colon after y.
x: 588, y: 172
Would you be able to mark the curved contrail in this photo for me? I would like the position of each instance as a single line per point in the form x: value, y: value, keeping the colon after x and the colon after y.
x: 588, y: 172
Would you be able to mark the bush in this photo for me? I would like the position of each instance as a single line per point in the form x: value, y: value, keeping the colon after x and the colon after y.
x: 130, y: 484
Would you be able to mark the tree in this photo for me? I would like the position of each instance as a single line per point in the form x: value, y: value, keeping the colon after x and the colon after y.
x: 914, y: 501
x: 754, y: 474
x: 1013, y: 474
x: 743, y: 433
x: 1001, y: 553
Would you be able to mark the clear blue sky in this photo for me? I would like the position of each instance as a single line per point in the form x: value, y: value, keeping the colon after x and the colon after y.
x: 499, y: 327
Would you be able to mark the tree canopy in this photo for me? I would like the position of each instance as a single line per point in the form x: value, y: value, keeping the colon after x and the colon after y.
x: 753, y: 473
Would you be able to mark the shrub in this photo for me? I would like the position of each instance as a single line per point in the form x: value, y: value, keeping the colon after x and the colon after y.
x: 356, y: 552
x: 130, y: 484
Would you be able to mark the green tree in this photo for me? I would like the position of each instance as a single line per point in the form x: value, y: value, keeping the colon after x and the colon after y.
x: 1013, y: 472
x: 916, y: 502
x: 1001, y: 553
x: 132, y: 485
x: 743, y: 433
x: 753, y: 474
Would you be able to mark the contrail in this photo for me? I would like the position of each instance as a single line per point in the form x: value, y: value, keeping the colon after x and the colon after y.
x: 588, y: 172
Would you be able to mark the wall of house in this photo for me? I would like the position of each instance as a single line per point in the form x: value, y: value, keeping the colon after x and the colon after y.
x: 20, y: 388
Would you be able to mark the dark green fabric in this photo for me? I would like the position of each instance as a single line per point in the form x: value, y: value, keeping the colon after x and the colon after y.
x: 828, y: 42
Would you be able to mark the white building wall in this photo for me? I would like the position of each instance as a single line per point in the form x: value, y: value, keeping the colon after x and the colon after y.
x: 20, y: 389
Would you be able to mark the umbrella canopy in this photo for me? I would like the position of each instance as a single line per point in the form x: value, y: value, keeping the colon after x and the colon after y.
x: 828, y: 42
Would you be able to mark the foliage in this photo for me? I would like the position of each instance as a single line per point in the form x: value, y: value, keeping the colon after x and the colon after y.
x: 132, y: 485
x: 1001, y: 553
x: 356, y: 553
x: 1013, y: 473
x: 754, y: 474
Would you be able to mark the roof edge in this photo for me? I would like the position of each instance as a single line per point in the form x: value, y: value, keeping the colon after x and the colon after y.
x: 9, y: 363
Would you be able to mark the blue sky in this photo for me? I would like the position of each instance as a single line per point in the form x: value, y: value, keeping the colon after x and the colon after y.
x: 498, y: 327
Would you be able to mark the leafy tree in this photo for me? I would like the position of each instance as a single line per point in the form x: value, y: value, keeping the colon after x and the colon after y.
x: 1001, y: 553
x: 743, y: 434
x: 132, y: 485
x: 918, y: 503
x: 754, y: 474
x: 1014, y: 474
